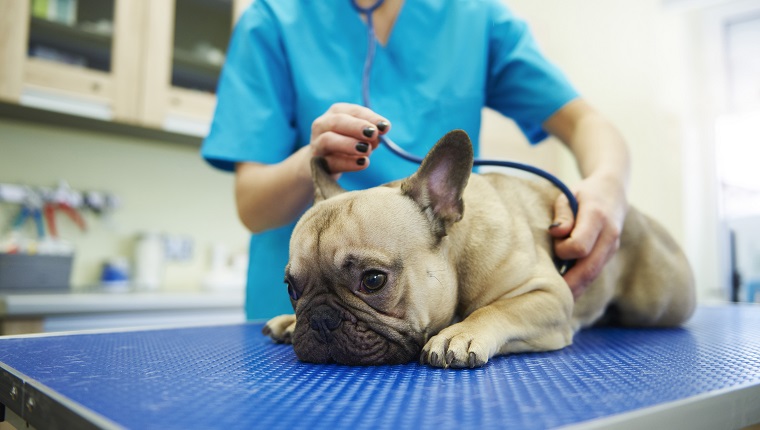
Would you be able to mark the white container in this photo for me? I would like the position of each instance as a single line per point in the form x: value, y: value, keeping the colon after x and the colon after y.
x: 227, y: 273
x: 150, y: 260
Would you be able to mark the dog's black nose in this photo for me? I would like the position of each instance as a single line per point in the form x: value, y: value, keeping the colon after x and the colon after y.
x: 324, y: 319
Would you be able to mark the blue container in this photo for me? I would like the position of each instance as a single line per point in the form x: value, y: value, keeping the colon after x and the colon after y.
x: 753, y: 290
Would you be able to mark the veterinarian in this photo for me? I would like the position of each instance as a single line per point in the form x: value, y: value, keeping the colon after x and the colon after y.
x: 291, y: 89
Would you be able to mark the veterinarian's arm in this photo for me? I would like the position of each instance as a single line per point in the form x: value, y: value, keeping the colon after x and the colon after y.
x: 273, y: 195
x: 603, y: 160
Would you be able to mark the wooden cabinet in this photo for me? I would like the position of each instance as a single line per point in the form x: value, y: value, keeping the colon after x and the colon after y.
x: 183, y: 63
x: 86, y: 65
x: 153, y: 63
x: 13, y: 31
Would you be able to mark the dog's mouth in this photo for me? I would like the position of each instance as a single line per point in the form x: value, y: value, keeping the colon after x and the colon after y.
x: 328, y: 335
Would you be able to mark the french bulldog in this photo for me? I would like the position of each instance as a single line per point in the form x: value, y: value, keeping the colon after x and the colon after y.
x: 453, y: 268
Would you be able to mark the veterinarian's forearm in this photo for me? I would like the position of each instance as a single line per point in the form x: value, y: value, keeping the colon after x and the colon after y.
x: 602, y: 156
x: 599, y: 149
x: 270, y: 196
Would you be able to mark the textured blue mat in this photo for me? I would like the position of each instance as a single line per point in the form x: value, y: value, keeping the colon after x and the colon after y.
x: 232, y: 377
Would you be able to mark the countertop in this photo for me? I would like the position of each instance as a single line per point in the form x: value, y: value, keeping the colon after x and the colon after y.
x: 40, y: 304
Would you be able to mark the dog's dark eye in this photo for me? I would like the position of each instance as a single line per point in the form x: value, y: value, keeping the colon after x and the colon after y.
x: 292, y: 290
x: 373, y: 280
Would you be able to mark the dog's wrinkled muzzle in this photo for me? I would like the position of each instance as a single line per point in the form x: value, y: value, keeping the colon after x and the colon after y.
x: 324, y: 320
x: 329, y: 334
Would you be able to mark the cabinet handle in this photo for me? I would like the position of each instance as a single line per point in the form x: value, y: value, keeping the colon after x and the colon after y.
x: 14, y: 393
x: 31, y: 404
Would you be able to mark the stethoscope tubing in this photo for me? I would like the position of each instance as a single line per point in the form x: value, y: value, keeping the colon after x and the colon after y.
x: 400, y: 152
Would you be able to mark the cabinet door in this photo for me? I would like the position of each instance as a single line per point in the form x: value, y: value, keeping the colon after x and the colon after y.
x: 184, y: 58
x: 13, y: 36
x: 77, y: 56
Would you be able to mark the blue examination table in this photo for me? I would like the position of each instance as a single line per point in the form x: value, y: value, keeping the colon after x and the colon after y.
x: 704, y: 375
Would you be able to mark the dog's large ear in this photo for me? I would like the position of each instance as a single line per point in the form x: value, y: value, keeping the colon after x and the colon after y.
x: 439, y: 183
x: 325, y: 186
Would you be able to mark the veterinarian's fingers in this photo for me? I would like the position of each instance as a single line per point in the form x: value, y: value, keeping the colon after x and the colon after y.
x: 352, y: 120
x: 578, y: 245
x: 339, y: 163
x: 330, y: 143
x: 582, y: 239
x: 357, y: 129
x: 564, y: 220
x: 586, y: 270
x: 364, y: 113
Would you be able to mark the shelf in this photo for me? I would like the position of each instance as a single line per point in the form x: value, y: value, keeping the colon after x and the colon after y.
x: 218, y: 6
x: 190, y: 71
x: 190, y: 66
x: 93, y: 49
x: 41, y: 116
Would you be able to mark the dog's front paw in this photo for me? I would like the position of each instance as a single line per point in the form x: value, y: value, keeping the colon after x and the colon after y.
x: 456, y: 347
x: 280, y: 328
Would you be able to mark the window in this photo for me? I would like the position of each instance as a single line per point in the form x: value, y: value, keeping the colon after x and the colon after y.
x: 737, y: 145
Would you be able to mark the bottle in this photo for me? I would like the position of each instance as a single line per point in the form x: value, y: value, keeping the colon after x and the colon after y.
x: 149, y: 261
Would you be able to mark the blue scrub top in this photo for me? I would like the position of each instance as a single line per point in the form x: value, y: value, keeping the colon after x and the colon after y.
x: 290, y: 60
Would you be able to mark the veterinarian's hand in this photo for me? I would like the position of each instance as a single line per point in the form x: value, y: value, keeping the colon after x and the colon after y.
x: 594, y: 236
x: 346, y: 135
x: 273, y: 195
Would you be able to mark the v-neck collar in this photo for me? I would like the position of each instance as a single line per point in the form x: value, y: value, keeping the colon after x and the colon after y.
x: 394, y: 29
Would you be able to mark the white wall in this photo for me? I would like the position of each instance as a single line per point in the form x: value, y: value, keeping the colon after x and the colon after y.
x: 616, y: 52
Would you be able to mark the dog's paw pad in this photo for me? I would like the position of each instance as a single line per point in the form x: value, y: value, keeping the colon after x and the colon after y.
x: 450, y: 357
x: 280, y: 328
x: 458, y: 351
x: 476, y: 361
x: 436, y: 361
x: 435, y: 352
x: 452, y: 349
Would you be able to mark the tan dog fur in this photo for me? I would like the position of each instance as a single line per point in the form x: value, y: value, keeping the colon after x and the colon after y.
x: 469, y: 270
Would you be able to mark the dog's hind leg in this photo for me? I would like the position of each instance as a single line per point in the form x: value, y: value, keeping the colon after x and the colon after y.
x: 656, y: 287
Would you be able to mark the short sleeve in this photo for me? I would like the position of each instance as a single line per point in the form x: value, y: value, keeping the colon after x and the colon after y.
x: 522, y: 83
x: 253, y: 120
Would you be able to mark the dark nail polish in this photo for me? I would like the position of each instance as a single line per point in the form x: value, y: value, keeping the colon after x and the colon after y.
x: 382, y: 125
x: 368, y: 132
x: 361, y: 161
x: 362, y: 147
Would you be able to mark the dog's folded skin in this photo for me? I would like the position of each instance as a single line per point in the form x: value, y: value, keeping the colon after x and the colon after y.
x: 454, y: 268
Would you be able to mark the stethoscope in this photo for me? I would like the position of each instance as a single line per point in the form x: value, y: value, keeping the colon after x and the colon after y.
x: 563, y: 266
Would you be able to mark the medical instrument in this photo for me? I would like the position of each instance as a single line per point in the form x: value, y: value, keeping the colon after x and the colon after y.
x: 50, y: 210
x: 563, y: 266
x: 66, y: 200
x: 31, y: 208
